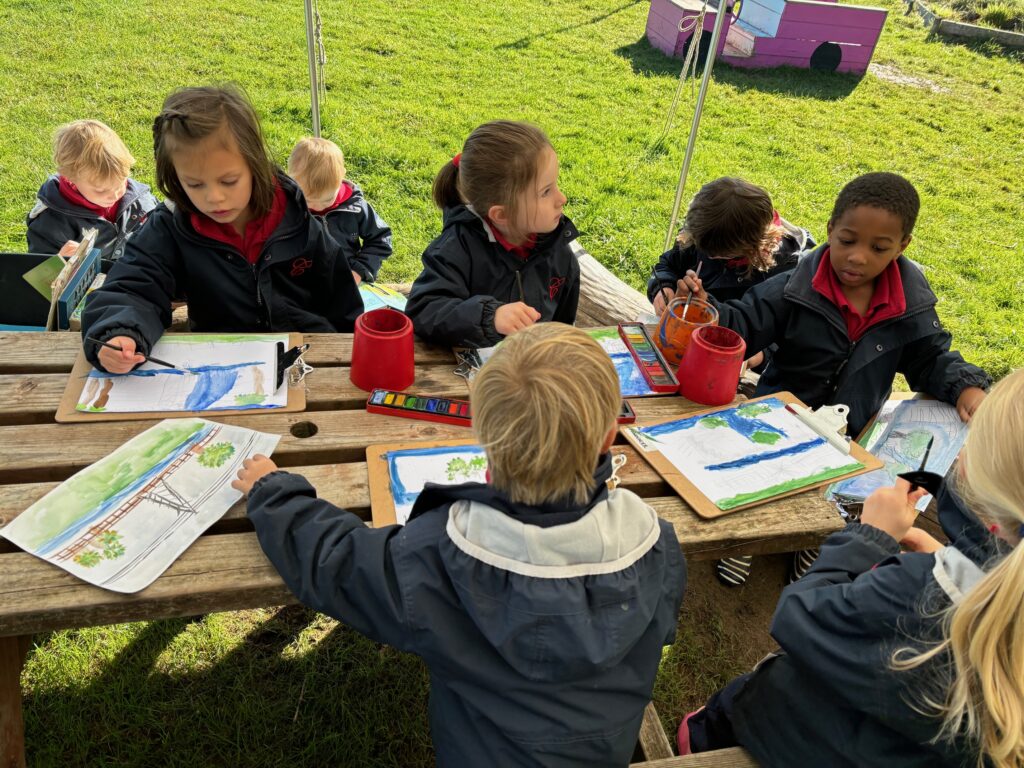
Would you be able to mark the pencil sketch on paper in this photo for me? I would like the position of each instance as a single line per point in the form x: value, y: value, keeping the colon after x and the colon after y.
x: 901, y: 445
x: 122, y: 521
x: 746, y: 454
x: 216, y: 372
x: 631, y: 379
x: 412, y: 468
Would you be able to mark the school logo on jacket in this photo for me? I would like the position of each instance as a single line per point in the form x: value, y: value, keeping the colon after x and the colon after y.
x: 555, y: 286
x: 300, y: 265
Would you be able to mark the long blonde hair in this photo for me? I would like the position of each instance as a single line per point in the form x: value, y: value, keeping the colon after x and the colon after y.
x: 984, y: 632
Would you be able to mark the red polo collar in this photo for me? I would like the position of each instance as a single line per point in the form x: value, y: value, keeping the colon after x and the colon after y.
x: 257, y: 231
x: 344, y: 193
x: 522, y: 251
x: 70, y: 193
x: 887, y: 301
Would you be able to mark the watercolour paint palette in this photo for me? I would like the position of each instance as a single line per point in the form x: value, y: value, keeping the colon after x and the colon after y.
x: 428, y: 408
x: 726, y: 459
x: 648, y: 357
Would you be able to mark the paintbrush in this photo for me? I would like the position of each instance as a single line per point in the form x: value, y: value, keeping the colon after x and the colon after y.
x: 696, y: 276
x: 149, y: 359
x: 921, y: 478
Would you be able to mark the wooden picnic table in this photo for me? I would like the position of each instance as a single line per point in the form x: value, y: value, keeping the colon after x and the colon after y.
x: 225, y: 569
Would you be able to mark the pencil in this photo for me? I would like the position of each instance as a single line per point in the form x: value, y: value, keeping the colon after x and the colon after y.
x: 519, y: 280
x: 156, y: 360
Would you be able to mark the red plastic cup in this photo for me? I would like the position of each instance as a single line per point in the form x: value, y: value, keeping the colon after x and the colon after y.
x: 382, y: 353
x: 710, y: 369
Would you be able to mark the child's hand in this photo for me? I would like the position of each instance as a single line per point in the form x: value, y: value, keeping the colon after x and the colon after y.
x: 691, y: 284
x: 892, y: 509
x: 968, y: 402
x: 357, y: 277
x: 68, y: 249
x: 662, y: 298
x: 514, y: 317
x: 917, y: 540
x: 252, y: 470
x: 123, y: 361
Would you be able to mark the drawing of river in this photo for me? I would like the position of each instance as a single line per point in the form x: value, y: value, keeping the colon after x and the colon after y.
x: 212, y: 382
x: 99, y: 512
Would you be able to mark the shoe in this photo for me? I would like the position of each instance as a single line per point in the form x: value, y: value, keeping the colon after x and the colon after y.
x: 802, y: 562
x: 683, y: 736
x: 733, y: 571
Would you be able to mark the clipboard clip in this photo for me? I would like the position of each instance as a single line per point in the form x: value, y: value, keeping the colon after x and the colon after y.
x: 829, y: 421
x: 291, y: 362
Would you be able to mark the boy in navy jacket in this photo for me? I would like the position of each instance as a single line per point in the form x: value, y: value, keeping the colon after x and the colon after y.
x: 540, y: 601
x: 318, y: 166
x: 854, y: 313
x: 91, y: 189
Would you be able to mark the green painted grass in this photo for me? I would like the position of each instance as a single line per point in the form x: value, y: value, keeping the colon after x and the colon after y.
x: 407, y: 81
x: 785, y: 487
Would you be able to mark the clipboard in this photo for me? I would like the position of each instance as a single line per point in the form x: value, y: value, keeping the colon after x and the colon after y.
x: 382, y: 501
x: 68, y: 413
x: 692, y: 495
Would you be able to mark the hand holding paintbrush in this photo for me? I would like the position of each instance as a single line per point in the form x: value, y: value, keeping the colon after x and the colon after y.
x: 691, y: 282
x: 119, y: 355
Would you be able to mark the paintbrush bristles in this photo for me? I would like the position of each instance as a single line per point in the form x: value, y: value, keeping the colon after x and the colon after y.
x: 696, y: 276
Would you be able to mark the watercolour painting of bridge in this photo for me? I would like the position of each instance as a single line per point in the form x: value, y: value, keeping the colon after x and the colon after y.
x: 122, y: 521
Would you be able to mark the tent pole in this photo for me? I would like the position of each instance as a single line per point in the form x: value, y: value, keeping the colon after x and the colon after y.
x: 314, y: 89
x: 698, y: 108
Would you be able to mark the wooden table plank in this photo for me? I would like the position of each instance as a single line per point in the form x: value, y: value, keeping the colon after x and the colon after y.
x: 56, y: 352
x: 33, y: 398
x: 217, y: 573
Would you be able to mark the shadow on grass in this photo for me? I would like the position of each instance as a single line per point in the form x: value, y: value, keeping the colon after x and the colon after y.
x: 990, y: 49
x: 343, y: 700
x: 825, y: 86
x: 525, y: 42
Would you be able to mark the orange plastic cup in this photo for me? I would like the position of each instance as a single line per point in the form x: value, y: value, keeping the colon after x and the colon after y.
x: 674, y: 330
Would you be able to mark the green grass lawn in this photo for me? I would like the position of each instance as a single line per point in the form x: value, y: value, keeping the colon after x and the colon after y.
x: 407, y: 81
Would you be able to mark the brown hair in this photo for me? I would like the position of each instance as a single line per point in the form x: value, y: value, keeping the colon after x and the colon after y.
x: 91, y: 148
x: 732, y: 217
x: 192, y: 114
x: 317, y: 164
x: 542, y: 407
x: 499, y: 161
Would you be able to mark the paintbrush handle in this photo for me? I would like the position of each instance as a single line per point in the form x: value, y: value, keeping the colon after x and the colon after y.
x: 116, y: 348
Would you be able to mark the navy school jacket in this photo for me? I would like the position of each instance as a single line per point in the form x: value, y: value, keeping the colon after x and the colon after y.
x: 54, y: 220
x: 718, y: 279
x: 817, y: 361
x: 830, y: 698
x: 542, y: 627
x: 366, y: 235
x: 467, y: 275
x: 301, y: 281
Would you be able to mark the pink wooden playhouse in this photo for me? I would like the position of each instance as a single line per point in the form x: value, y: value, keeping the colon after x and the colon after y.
x: 773, y: 33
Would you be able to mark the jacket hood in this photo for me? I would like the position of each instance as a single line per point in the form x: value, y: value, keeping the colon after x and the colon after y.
x: 465, y: 215
x: 918, y: 293
x: 49, y: 195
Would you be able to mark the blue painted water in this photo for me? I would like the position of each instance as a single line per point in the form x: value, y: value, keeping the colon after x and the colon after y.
x: 98, y: 513
x: 743, y: 425
x: 398, y: 490
x: 747, y: 461
x: 212, y: 382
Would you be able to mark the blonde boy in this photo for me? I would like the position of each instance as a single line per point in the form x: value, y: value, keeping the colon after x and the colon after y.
x: 319, y: 168
x: 91, y: 188
x: 540, y: 601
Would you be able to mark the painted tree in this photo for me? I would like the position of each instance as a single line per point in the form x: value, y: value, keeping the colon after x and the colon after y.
x: 88, y: 559
x: 110, y: 541
x: 215, y: 455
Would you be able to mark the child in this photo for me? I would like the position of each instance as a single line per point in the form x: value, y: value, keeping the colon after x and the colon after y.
x: 503, y: 261
x: 91, y: 189
x: 853, y: 313
x: 890, y: 659
x: 234, y: 237
x: 318, y: 167
x: 540, y: 601
x: 734, y: 232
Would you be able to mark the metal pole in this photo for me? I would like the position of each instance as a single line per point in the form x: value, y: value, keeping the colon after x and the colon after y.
x: 720, y: 14
x: 314, y: 89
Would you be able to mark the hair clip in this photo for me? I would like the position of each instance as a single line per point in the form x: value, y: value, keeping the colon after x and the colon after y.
x: 618, y: 462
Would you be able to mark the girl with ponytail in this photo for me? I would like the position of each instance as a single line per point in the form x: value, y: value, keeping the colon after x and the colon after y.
x: 890, y: 659
x: 503, y: 260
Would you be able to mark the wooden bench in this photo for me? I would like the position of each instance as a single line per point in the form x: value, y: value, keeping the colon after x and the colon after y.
x: 225, y: 569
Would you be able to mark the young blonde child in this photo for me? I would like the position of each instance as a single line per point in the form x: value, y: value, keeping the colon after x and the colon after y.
x: 234, y: 238
x: 318, y: 167
x: 503, y: 260
x: 540, y: 601
x: 91, y: 189
x: 898, y: 659
x: 734, y: 232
